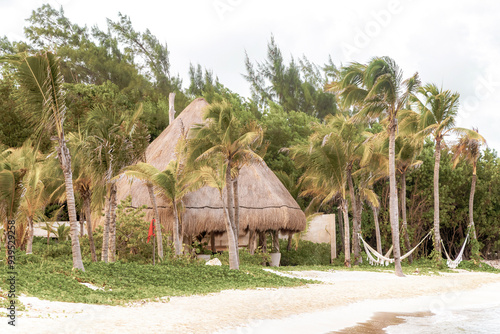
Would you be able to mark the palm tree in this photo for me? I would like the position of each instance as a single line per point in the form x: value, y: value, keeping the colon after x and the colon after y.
x: 116, y: 142
x: 214, y: 174
x: 11, y: 176
x: 41, y: 82
x: 222, y: 135
x: 468, y: 149
x: 407, y: 148
x: 326, y: 162
x: 84, y: 180
x: 436, y: 118
x: 378, y: 90
x: 173, y: 183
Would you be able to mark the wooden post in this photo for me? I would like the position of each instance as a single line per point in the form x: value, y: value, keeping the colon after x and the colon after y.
x: 171, y: 109
x: 251, y: 242
x: 333, y: 239
x: 212, y: 242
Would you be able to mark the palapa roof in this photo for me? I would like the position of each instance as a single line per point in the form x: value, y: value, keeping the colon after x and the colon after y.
x: 265, y: 204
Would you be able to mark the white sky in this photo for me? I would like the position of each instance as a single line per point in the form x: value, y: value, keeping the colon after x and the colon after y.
x: 455, y: 44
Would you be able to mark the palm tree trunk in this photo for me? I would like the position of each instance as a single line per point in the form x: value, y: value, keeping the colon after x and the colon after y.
x: 88, y: 218
x: 437, y: 235
x: 276, y: 241
x: 471, y: 201
x: 236, y: 214
x: 212, y: 242
x: 290, y: 238
x: 403, y: 213
x: 159, y: 237
x: 341, y: 225
x: 347, y: 247
x: 65, y: 160
x: 233, y: 259
x: 263, y: 241
x: 105, y: 233
x: 355, y: 220
x: 393, y: 199
x: 230, y: 203
x: 29, y: 245
x: 377, y: 228
x: 175, y: 229
x: 112, y: 225
x: 251, y: 242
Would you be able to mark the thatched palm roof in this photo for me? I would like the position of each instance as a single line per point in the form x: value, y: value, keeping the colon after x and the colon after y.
x: 265, y: 204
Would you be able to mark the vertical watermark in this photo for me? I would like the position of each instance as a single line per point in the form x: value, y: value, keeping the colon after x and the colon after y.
x: 11, y: 271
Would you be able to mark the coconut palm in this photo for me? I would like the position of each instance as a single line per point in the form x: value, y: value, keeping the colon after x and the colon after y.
x: 84, y: 180
x: 116, y: 141
x: 378, y: 91
x: 41, y: 83
x: 173, y: 183
x: 11, y: 177
x: 222, y: 135
x: 407, y: 150
x: 468, y: 149
x: 326, y: 161
x: 437, y: 109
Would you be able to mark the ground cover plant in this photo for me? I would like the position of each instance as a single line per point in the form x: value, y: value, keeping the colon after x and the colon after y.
x: 49, y: 275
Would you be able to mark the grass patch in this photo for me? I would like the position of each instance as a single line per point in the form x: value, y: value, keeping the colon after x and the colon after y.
x: 54, y: 279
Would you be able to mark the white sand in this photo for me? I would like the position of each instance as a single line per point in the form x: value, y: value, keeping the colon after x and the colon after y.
x: 343, y: 290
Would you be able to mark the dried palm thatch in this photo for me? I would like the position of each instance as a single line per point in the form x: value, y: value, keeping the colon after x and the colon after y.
x: 265, y: 203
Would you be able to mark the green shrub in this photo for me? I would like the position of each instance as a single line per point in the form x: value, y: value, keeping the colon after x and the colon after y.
x: 245, y: 258
x: 308, y: 253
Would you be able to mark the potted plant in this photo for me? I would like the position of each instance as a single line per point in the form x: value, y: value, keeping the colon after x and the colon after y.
x: 201, y: 251
x: 275, y: 250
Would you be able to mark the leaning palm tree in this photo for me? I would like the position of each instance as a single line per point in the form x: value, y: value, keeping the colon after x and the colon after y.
x: 437, y: 109
x: 173, y: 183
x: 468, y: 148
x: 378, y: 91
x: 41, y: 83
x: 222, y: 134
x: 325, y: 178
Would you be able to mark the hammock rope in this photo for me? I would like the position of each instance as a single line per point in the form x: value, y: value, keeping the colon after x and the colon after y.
x: 452, y: 264
x: 375, y: 258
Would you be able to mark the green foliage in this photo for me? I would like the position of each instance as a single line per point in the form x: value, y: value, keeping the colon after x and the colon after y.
x: 258, y: 259
x: 53, y: 279
x: 63, y: 232
x: 307, y: 253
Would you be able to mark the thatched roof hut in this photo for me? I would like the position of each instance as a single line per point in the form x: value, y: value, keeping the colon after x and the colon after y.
x: 265, y: 204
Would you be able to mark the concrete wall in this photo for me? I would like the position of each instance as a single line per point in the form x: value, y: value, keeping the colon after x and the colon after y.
x: 319, y: 229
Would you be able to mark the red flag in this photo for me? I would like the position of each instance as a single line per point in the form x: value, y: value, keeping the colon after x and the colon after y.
x: 151, y: 230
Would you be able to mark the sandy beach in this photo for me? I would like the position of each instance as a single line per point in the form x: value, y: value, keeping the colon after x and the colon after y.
x: 223, y: 312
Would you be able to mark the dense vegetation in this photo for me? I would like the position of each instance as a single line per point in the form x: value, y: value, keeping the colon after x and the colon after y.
x: 313, y: 126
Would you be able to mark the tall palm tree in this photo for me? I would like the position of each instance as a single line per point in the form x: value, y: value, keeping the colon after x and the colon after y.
x: 378, y: 91
x: 407, y: 148
x: 84, y: 180
x: 173, y: 183
x: 214, y: 174
x: 222, y: 135
x: 468, y: 148
x: 116, y: 141
x: 41, y: 82
x: 326, y: 160
x: 437, y: 109
x: 353, y: 139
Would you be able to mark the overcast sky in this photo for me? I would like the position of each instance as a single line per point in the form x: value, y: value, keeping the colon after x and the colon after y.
x: 455, y: 44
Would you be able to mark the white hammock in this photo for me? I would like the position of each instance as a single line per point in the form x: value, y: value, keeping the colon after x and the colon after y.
x: 375, y: 258
x: 454, y: 263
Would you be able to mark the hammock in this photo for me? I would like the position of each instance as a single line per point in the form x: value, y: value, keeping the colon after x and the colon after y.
x: 454, y: 263
x: 375, y: 258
